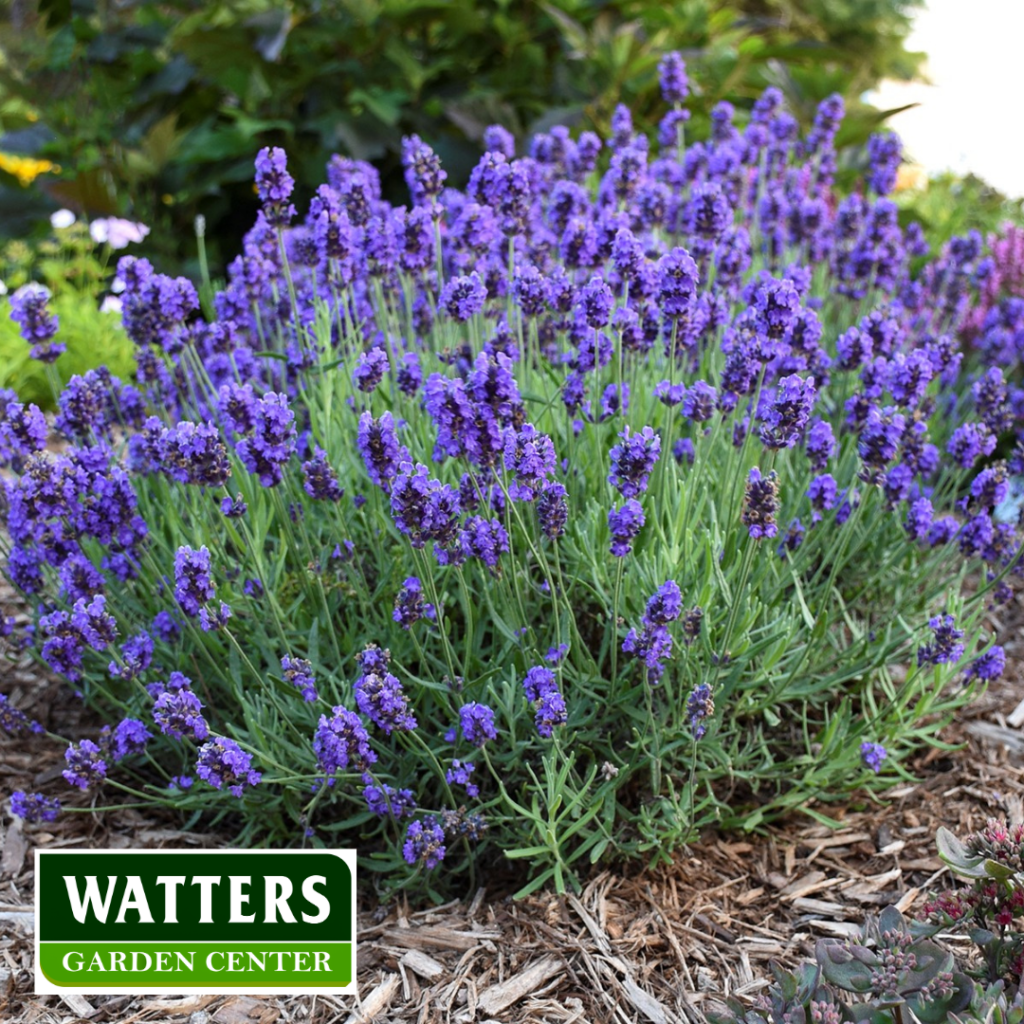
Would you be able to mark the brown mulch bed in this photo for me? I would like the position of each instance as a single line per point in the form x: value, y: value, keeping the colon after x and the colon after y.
x: 641, y: 946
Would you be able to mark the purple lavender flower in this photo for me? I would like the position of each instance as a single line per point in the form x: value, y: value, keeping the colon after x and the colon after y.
x: 166, y: 627
x: 530, y: 288
x: 498, y: 139
x: 970, y: 442
x: 672, y: 78
x: 595, y: 301
x: 178, y: 711
x: 699, y: 402
x: 542, y: 691
x: 820, y: 445
x: 33, y: 807
x: 625, y: 524
x: 299, y: 672
x: 693, y: 620
x: 22, y: 430
x: 370, y: 369
x: 385, y: 801
x: 424, y: 843
x: 652, y: 645
x: 194, y: 453
x: 274, y: 185
x: 193, y: 585
x: 380, y: 697
x: 945, y: 647
x: 410, y: 376
x: 665, y: 605
x: 273, y: 440
x: 873, y: 754
x: 700, y: 706
x: 633, y: 460
x: 38, y: 325
x: 885, y: 152
x: 233, y: 508
x: 320, y: 481
x: 789, y: 412
x: 477, y: 723
x: 463, y: 297
x: 342, y: 740
x: 224, y: 765
x: 761, y: 504
x: 677, y: 282
x: 708, y: 214
x: 485, y: 539
x: 410, y: 606
x: 988, y: 666
x: 86, y: 764
x: 129, y: 737
x: 791, y: 539
x: 775, y: 305
x: 529, y: 458
x: 210, y: 622
x: 423, y: 172
x: 553, y: 510
x: 15, y: 721
x: 460, y: 774
x: 880, y: 438
x: 237, y: 406
x: 668, y: 393
x: 919, y: 519
x: 380, y: 449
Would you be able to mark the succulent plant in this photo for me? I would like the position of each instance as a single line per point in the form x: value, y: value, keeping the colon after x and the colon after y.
x: 895, y: 977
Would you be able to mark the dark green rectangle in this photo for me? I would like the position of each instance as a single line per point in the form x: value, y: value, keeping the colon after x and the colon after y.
x: 57, y: 920
x: 216, y: 966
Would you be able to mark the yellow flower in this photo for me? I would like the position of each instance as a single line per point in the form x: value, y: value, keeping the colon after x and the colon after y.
x: 25, y: 168
x: 911, y: 177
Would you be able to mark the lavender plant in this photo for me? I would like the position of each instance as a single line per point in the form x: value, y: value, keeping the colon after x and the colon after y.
x: 556, y: 518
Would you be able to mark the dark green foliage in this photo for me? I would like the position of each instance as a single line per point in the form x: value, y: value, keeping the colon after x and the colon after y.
x: 153, y: 110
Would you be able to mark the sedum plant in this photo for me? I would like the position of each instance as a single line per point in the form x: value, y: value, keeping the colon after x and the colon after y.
x: 552, y: 519
x: 989, y: 907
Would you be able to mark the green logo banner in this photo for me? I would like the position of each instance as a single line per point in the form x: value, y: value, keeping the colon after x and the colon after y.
x: 179, y: 921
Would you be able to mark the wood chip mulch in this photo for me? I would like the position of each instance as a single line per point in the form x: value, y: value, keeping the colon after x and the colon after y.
x: 651, y: 946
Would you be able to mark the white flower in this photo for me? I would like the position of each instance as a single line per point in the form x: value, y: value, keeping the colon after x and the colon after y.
x: 3, y: 288
x: 117, y: 232
x: 34, y: 288
x: 62, y: 219
x: 110, y: 304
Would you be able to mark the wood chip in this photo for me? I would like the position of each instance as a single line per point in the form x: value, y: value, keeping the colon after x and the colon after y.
x: 837, y: 839
x: 814, y: 882
x: 26, y: 921
x: 377, y: 1001
x: 840, y: 929
x: 1016, y: 716
x: 498, y: 997
x: 822, y: 908
x: 79, y: 1006
x: 644, y: 1003
x: 436, y: 937
x: 907, y: 900
x: 423, y: 965
x: 246, y: 1010
x: 15, y: 847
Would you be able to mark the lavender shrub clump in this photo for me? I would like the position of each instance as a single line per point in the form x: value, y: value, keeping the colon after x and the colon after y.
x: 532, y: 514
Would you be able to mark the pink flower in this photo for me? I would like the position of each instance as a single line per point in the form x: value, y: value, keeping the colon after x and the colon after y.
x: 117, y: 232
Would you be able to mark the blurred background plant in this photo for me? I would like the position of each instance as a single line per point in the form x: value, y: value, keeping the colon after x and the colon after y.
x: 77, y: 270
x: 154, y: 109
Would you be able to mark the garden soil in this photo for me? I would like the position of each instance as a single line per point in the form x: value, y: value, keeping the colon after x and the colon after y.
x: 646, y: 946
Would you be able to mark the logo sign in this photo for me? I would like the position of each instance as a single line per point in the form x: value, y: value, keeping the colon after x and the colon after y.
x: 129, y: 922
